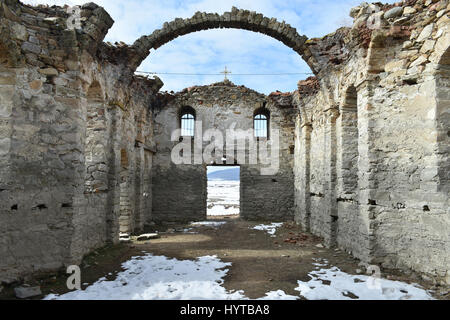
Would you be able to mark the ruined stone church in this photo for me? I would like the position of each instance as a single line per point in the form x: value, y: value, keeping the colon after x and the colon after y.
x: 85, y: 143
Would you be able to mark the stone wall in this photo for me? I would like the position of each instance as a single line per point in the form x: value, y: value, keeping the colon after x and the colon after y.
x: 180, y: 190
x: 66, y: 114
x: 372, y: 152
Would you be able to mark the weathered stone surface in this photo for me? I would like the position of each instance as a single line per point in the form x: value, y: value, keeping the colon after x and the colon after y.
x: 27, y: 292
x: 84, y: 143
x: 49, y: 72
x: 409, y: 10
x: 221, y: 106
x: 426, y: 33
x: 394, y: 12
x: 358, y: 177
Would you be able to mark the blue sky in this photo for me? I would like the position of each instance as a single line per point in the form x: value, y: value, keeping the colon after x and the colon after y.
x: 210, y: 51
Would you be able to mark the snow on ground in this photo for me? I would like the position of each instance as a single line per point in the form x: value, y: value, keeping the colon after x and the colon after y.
x: 270, y: 228
x: 189, y: 231
x: 209, y: 223
x: 333, y: 284
x: 278, y: 295
x: 223, y: 198
x: 160, y: 278
x: 222, y: 210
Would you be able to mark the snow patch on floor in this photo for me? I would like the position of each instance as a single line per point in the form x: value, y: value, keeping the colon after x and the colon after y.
x: 189, y: 231
x: 278, y: 295
x: 270, y: 229
x: 209, y: 223
x: 333, y: 284
x: 159, y: 278
x: 220, y: 210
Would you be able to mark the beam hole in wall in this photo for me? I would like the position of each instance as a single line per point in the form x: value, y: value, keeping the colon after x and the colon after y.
x: 223, y: 198
x: 400, y: 206
x: 15, y: 207
x: 40, y: 207
x: 340, y: 199
x: 410, y: 82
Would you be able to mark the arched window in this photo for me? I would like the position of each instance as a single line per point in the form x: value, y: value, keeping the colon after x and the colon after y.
x: 187, y: 122
x: 261, y: 124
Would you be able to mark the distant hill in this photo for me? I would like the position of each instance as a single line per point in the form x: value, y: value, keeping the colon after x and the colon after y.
x: 232, y: 174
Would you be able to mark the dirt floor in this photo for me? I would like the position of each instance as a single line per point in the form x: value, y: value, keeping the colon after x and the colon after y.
x: 260, y: 263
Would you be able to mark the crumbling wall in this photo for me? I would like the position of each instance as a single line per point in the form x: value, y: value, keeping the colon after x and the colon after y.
x: 179, y: 190
x: 392, y: 81
x: 66, y: 113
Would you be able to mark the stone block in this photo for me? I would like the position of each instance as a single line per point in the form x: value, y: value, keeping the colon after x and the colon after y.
x: 393, y: 13
x: 31, y: 47
x: 49, y: 71
x: 426, y: 33
x: 394, y: 65
x: 27, y: 292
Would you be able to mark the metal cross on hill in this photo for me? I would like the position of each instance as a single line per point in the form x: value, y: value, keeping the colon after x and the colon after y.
x: 226, y: 72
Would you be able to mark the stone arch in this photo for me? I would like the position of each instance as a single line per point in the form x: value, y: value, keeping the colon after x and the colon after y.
x: 443, y: 118
x: 185, y: 110
x: 97, y: 186
x: 262, y: 110
x: 95, y: 145
x: 95, y: 92
x: 350, y: 98
x: 126, y: 217
x: 348, y: 136
x: 236, y: 19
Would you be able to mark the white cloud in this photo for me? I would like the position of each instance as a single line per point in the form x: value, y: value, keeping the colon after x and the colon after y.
x: 209, y: 51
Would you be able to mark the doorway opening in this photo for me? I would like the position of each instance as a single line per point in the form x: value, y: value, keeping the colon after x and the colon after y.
x: 223, y: 191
